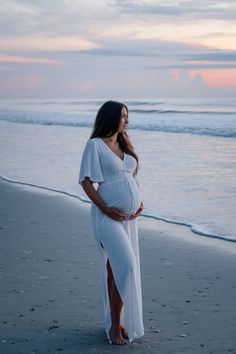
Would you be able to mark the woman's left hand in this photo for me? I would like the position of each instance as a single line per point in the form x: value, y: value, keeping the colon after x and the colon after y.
x: 138, y: 213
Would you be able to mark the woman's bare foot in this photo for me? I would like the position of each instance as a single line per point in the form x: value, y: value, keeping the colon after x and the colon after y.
x: 116, y: 336
x: 124, y: 333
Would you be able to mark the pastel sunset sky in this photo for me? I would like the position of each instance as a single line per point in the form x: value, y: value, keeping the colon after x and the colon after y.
x: 117, y: 48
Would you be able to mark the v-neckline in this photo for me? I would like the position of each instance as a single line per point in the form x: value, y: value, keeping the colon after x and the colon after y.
x: 121, y: 159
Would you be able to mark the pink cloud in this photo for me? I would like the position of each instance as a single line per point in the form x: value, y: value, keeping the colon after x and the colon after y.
x: 27, y: 60
x: 81, y: 86
x: 218, y: 78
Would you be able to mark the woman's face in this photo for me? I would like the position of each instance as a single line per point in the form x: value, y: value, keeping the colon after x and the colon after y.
x: 123, y: 120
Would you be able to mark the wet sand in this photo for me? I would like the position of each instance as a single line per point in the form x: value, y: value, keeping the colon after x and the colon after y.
x: 51, y: 301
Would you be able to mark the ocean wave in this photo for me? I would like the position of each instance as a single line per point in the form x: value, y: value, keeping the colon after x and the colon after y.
x: 90, y: 102
x: 59, y: 102
x: 190, y: 112
x: 203, y: 127
x: 197, y: 229
x: 222, y: 132
x: 144, y: 103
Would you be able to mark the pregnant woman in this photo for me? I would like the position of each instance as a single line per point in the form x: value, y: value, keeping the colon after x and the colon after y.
x: 110, y: 161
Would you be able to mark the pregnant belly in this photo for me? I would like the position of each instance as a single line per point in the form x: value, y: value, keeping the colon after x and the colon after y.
x: 124, y: 195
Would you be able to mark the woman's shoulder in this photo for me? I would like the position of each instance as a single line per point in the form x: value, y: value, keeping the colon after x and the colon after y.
x: 95, y: 140
x: 93, y: 143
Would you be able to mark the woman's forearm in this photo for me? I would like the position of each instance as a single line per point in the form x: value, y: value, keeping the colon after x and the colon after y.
x: 93, y: 194
x: 113, y: 213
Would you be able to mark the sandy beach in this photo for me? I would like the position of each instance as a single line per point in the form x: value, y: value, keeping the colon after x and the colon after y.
x: 51, y: 300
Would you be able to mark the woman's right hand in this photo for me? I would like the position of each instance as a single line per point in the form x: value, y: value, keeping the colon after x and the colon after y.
x: 113, y: 213
x: 116, y: 214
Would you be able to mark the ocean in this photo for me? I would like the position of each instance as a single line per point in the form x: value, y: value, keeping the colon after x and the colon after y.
x: 186, y: 147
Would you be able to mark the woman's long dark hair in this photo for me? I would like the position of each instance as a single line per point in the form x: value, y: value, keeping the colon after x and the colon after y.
x: 107, y: 123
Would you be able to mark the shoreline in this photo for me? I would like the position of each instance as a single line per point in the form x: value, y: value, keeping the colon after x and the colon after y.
x: 192, y: 228
x: 50, y: 286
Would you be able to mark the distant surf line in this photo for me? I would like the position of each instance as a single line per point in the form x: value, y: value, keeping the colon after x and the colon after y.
x: 72, y: 120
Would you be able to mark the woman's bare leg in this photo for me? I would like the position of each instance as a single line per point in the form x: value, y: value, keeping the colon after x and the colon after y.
x: 116, y: 304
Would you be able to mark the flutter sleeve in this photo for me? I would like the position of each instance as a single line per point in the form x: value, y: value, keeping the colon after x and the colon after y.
x: 90, y: 163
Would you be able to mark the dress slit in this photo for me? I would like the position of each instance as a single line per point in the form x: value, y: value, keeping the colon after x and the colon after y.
x: 120, y: 248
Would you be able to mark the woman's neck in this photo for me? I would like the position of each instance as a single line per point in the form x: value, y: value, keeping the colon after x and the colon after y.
x: 111, y: 139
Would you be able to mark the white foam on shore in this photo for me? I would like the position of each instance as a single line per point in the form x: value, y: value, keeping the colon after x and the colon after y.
x: 193, y: 227
x: 82, y: 199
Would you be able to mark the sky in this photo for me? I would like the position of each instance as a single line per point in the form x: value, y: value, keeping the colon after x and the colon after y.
x: 117, y: 48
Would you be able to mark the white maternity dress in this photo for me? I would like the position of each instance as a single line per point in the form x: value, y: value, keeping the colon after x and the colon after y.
x: 116, y: 241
